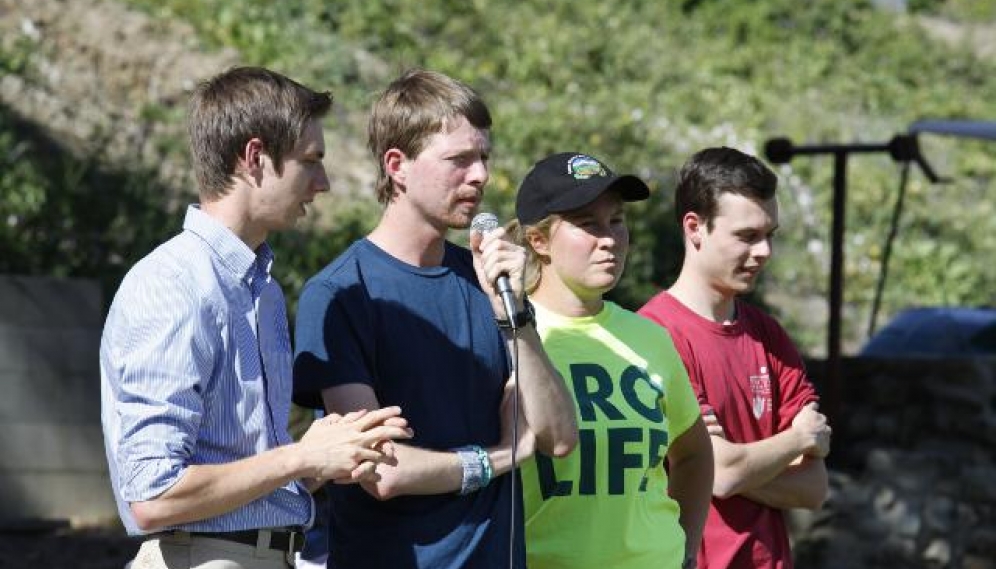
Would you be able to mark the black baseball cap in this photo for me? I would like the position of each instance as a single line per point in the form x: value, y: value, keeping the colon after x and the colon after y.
x: 569, y: 180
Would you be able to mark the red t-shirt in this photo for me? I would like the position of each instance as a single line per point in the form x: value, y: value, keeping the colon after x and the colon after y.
x: 751, y: 375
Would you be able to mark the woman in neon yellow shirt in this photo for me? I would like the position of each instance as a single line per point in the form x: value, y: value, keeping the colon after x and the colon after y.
x: 611, y: 504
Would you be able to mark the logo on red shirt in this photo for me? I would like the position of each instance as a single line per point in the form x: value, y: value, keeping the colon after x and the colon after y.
x: 760, y: 389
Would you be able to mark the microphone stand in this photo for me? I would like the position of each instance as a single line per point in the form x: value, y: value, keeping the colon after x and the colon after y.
x: 902, y: 148
x: 515, y: 438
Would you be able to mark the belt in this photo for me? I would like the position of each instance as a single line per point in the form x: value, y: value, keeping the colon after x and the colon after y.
x: 288, y: 541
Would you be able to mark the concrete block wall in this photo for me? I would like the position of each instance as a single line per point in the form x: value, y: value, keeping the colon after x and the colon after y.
x: 52, y: 464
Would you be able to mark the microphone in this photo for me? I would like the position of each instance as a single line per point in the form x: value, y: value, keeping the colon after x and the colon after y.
x: 779, y: 150
x: 485, y: 223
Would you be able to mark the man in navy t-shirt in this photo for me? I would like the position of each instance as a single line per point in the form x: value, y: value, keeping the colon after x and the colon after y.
x: 401, y: 318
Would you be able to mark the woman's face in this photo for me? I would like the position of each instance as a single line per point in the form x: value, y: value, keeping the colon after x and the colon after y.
x: 586, y: 248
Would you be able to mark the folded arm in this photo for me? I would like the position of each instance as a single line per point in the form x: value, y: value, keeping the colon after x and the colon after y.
x: 414, y: 470
x: 803, y: 484
x: 786, y: 468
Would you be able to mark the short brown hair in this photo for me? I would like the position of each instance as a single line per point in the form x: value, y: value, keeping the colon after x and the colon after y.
x: 712, y: 172
x: 414, y: 107
x: 229, y: 109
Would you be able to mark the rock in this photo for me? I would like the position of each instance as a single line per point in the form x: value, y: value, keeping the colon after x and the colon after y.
x: 938, y: 552
x: 939, y: 514
x: 982, y: 541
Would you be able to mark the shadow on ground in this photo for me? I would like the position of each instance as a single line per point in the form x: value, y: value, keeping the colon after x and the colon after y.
x: 66, y: 548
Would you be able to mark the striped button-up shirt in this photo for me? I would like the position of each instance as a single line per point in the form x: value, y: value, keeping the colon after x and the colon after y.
x: 195, y: 366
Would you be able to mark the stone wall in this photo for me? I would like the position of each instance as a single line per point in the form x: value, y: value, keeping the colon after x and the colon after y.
x: 913, y: 469
x: 52, y: 464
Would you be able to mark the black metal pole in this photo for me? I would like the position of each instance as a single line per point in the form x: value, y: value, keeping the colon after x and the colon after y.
x: 781, y: 151
x: 832, y: 394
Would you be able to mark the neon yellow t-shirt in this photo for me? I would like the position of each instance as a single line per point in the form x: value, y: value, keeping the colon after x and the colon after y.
x: 605, y: 506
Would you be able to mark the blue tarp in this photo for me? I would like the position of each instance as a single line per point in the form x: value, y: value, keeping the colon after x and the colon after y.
x: 936, y: 331
x: 971, y: 129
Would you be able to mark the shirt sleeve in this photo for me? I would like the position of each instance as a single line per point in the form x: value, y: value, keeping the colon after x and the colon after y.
x: 163, y: 360
x: 332, y: 343
x: 795, y: 389
x: 683, y: 406
x: 654, y: 311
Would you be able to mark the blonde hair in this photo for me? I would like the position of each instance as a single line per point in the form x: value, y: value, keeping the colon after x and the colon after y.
x: 534, y: 261
x: 414, y: 107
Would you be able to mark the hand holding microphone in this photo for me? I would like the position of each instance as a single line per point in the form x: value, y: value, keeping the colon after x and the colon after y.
x: 498, y: 262
x: 503, y: 264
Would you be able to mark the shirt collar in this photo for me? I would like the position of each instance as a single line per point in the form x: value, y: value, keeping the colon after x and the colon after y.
x: 234, y: 254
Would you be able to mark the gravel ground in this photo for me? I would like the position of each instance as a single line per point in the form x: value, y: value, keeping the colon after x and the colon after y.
x: 65, y: 548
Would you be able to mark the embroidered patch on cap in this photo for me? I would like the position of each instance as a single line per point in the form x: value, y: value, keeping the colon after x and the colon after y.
x: 583, y: 167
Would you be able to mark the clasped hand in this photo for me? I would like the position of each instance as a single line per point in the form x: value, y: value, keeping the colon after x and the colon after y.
x: 347, y: 448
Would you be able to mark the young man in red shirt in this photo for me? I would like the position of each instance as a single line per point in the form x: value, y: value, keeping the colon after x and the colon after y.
x: 769, y: 440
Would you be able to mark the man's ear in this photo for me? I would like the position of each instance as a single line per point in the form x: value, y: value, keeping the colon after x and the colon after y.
x: 693, y: 228
x: 252, y: 156
x: 396, y: 166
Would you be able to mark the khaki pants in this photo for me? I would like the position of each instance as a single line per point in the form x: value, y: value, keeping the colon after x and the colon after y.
x: 183, y: 551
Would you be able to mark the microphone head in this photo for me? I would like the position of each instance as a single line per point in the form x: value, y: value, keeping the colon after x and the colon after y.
x: 779, y: 150
x: 484, y: 222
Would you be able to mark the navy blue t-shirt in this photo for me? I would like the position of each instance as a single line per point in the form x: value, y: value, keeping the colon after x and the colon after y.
x: 424, y: 339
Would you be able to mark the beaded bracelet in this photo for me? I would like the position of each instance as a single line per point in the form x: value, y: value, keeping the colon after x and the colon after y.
x: 487, y: 470
x: 477, y: 468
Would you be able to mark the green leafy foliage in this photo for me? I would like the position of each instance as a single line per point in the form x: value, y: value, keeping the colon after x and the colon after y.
x: 644, y: 83
x: 67, y: 216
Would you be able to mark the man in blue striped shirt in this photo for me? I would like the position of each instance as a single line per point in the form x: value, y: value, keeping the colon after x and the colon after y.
x: 195, y: 356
